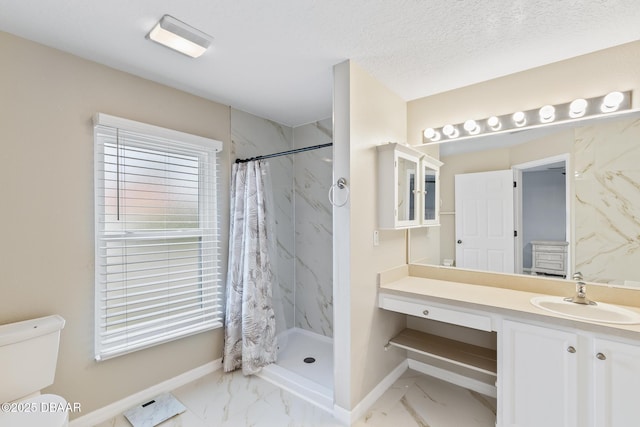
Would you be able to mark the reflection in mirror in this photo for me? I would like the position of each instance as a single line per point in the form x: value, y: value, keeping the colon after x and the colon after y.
x: 581, y: 185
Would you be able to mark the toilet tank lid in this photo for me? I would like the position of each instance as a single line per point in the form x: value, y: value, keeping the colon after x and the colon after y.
x: 12, y: 333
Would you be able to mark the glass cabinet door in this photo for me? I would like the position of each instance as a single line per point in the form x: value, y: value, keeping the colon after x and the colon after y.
x: 407, y: 202
x: 430, y: 196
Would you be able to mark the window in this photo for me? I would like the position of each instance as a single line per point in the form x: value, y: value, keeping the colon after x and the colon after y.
x: 156, y: 256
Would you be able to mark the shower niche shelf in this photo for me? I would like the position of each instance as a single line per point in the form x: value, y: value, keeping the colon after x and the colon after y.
x: 470, y: 356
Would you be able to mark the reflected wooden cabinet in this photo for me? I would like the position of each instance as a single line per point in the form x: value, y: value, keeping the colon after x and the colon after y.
x: 408, y: 188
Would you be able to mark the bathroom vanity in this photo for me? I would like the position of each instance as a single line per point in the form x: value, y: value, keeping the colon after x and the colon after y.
x: 545, y: 368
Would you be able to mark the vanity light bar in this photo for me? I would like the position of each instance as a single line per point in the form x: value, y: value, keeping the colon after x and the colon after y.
x: 574, y: 110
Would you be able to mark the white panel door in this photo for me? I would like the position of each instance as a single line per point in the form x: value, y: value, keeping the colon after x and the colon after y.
x: 539, y: 376
x: 484, y: 221
x: 617, y: 375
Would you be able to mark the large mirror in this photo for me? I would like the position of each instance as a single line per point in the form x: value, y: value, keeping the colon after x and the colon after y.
x: 576, y: 205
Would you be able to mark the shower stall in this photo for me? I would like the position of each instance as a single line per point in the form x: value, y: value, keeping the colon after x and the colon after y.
x: 303, y: 296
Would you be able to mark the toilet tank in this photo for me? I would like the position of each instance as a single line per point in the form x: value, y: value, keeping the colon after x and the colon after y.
x: 28, y: 356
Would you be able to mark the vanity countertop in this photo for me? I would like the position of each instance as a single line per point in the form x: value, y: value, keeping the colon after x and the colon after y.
x: 492, y: 300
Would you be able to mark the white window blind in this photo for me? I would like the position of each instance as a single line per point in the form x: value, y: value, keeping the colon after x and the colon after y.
x: 157, y: 252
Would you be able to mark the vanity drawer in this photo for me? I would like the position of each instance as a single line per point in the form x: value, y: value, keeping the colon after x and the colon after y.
x: 433, y: 312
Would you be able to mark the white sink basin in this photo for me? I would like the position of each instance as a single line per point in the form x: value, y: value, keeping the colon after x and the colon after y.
x: 604, y: 313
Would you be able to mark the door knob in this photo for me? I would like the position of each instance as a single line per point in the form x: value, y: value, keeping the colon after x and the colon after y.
x: 459, y: 241
x: 571, y: 349
x: 601, y: 356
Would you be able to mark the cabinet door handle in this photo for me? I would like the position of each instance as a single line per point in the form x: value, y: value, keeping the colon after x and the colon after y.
x: 425, y: 312
x: 601, y: 356
x: 571, y: 349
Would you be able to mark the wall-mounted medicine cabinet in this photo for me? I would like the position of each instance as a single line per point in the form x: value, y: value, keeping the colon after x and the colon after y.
x: 408, y: 188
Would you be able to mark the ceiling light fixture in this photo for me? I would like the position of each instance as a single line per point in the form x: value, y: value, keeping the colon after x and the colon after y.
x: 578, y: 109
x: 180, y: 37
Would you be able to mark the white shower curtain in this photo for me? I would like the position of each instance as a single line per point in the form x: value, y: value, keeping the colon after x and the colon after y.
x: 250, y: 336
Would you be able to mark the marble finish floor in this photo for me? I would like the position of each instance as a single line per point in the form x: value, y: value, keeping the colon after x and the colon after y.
x: 232, y: 400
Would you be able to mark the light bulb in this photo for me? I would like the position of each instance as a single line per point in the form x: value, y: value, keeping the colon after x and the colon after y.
x: 494, y: 123
x: 431, y: 134
x: 611, y: 102
x: 519, y: 118
x: 472, y: 128
x: 578, y: 108
x: 450, y: 131
x: 547, y: 114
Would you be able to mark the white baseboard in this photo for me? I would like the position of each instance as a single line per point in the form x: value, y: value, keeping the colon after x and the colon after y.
x: 349, y: 417
x: 342, y: 415
x: 453, y: 378
x: 103, y: 414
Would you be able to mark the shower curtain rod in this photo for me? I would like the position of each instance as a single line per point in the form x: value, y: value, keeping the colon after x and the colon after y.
x: 285, y: 153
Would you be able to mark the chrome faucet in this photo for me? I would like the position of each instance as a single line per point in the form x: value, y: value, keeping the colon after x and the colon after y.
x: 581, y: 291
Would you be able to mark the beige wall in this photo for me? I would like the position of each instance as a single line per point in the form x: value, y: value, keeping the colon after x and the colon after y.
x: 584, y: 76
x: 375, y: 115
x: 47, y: 99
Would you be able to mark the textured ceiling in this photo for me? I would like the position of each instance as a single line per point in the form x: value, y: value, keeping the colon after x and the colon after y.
x: 274, y: 58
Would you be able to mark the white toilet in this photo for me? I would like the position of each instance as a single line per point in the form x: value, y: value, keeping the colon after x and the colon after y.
x: 28, y: 357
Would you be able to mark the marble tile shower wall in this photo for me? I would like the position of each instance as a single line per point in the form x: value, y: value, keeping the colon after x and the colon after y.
x: 253, y: 136
x: 303, y: 215
x: 314, y: 229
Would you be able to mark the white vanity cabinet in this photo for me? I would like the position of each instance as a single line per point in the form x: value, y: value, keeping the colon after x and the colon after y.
x: 552, y: 377
x: 539, y: 376
x: 616, y: 376
x: 408, y: 188
x: 546, y: 370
